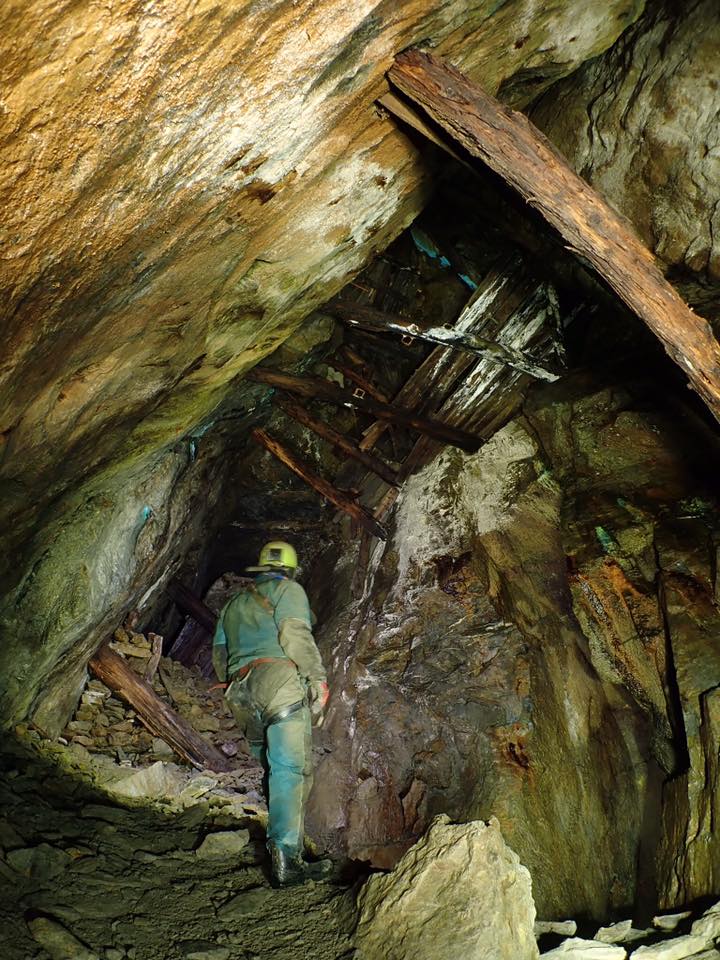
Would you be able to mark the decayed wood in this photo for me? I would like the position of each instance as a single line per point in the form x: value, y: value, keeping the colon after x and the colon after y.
x: 322, y: 486
x: 192, y: 605
x: 152, y: 665
x: 359, y: 315
x: 361, y: 381
x: 338, y: 440
x: 323, y: 389
x: 516, y: 150
x: 157, y: 716
x: 278, y: 526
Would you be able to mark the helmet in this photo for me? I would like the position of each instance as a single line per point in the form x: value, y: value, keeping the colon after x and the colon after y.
x: 277, y: 555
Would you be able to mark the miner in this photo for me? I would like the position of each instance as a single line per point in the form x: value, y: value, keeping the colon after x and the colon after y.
x: 277, y: 688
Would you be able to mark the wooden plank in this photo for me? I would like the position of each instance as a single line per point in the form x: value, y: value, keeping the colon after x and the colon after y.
x: 359, y: 315
x: 516, y: 150
x: 359, y: 380
x: 501, y: 292
x: 348, y: 447
x: 156, y: 715
x: 318, y: 483
x: 192, y: 605
x: 324, y: 390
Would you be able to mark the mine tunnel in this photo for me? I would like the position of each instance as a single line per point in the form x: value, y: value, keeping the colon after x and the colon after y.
x: 430, y: 293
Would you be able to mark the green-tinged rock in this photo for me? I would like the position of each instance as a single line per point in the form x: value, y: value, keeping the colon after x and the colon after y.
x: 57, y: 941
x: 220, y: 846
x: 42, y: 862
x: 459, y: 893
x: 161, y: 780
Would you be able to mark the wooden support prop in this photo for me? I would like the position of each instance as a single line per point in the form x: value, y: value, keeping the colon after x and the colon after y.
x: 338, y: 440
x: 325, y: 489
x: 324, y: 390
x: 358, y: 315
x: 158, y: 717
x: 278, y: 526
x: 357, y: 378
x: 192, y: 605
x: 516, y: 150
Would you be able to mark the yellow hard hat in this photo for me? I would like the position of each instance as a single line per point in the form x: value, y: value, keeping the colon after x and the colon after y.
x: 277, y: 555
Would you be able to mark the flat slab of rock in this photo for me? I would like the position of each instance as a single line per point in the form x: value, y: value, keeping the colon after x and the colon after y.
x: 459, y: 894
x: 708, y: 925
x: 579, y: 949
x: 676, y: 949
x: 669, y: 921
x: 563, y: 928
x: 622, y: 932
x: 219, y: 846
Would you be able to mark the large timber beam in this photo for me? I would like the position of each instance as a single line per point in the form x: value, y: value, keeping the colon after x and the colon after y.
x: 359, y: 315
x: 359, y: 514
x: 157, y: 716
x: 516, y: 150
x: 325, y: 390
x: 339, y: 440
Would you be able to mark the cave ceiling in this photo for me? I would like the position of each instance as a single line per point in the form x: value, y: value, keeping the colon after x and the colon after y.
x: 182, y: 188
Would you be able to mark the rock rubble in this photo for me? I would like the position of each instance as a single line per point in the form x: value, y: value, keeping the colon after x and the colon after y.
x: 621, y: 940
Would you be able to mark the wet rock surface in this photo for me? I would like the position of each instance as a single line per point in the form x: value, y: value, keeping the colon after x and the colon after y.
x: 517, y: 651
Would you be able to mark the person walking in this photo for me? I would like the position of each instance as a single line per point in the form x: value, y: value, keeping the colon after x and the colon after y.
x: 264, y: 649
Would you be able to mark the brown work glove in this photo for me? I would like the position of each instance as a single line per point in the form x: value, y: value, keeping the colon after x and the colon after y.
x: 318, y: 694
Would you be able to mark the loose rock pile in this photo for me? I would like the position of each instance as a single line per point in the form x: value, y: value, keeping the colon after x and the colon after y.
x: 104, y: 724
x: 700, y: 941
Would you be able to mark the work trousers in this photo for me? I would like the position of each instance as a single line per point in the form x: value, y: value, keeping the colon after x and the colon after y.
x: 284, y: 749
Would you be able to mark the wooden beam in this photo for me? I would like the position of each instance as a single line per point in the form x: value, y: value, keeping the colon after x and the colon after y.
x: 359, y: 380
x: 318, y: 483
x: 156, y: 715
x: 278, y: 526
x: 192, y: 605
x: 348, y: 447
x: 516, y: 150
x: 359, y: 315
x: 324, y: 390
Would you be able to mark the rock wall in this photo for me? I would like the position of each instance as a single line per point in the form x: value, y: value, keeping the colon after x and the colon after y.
x: 641, y: 125
x: 523, y: 650
x: 181, y: 185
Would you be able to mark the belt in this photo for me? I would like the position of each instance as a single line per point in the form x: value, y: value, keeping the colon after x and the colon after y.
x: 244, y: 671
x: 283, y: 712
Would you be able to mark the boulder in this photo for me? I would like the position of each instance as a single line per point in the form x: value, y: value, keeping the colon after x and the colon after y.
x: 459, y: 894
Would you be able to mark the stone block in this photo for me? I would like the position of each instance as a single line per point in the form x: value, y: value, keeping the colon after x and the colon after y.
x: 459, y: 894
x: 57, y: 941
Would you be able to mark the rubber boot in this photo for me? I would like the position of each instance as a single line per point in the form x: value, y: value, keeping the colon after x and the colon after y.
x: 288, y: 870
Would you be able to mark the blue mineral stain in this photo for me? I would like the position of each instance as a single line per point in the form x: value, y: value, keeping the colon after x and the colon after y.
x: 605, y: 540
x: 468, y: 281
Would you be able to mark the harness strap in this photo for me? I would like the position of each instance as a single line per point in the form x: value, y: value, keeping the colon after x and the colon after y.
x: 283, y: 713
x: 244, y: 671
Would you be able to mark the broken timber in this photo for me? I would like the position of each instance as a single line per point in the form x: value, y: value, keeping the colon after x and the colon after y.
x: 324, y: 430
x: 158, y: 717
x: 318, y: 483
x: 324, y: 390
x: 516, y: 150
x: 359, y: 315
x: 192, y: 605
